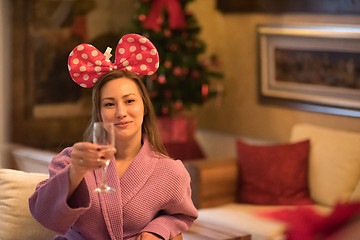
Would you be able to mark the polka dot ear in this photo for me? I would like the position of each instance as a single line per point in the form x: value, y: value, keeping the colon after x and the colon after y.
x: 86, y: 64
x: 137, y: 54
x: 134, y: 53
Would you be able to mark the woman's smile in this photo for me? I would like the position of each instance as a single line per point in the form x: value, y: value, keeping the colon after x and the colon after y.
x: 122, y: 124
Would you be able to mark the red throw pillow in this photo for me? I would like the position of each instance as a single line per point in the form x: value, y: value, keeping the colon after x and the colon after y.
x: 273, y: 174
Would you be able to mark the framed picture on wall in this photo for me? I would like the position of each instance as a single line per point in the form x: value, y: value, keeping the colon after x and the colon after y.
x: 293, y: 6
x: 49, y: 110
x: 315, y: 68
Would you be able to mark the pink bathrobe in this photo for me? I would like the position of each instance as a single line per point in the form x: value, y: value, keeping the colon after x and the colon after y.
x: 153, y: 195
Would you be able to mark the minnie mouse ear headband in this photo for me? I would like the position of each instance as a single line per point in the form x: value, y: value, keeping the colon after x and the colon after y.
x: 134, y: 53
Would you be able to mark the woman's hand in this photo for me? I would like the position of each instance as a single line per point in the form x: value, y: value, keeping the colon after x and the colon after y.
x: 85, y: 157
x: 148, y: 236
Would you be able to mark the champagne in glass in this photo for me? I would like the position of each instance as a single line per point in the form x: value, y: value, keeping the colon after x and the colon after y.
x: 103, y: 135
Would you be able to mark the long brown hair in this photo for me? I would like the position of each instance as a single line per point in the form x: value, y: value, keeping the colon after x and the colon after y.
x: 149, y: 126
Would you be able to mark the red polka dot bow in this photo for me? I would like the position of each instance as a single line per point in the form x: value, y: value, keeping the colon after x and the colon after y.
x: 134, y: 53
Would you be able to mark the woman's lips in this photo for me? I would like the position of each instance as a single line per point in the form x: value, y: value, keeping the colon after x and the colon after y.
x: 122, y: 124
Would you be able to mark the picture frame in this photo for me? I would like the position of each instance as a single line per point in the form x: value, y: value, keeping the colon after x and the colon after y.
x: 313, y: 68
x: 48, y: 109
x: 293, y: 6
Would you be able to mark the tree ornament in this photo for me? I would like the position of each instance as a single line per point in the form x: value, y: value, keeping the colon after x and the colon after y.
x: 168, y: 64
x: 165, y: 110
x: 177, y: 71
x: 167, y: 33
x: 162, y: 79
x: 142, y: 17
x: 178, y: 105
x: 174, y: 47
x: 204, y: 90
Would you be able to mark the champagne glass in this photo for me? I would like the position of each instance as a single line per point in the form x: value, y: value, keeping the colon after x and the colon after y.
x: 103, y: 135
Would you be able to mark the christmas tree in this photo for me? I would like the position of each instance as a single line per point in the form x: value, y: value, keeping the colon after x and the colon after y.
x: 183, y: 79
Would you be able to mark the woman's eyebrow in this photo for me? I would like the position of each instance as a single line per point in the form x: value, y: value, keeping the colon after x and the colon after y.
x: 108, y: 98
x: 125, y: 96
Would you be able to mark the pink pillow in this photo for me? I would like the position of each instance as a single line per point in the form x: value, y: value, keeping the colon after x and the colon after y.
x: 273, y: 174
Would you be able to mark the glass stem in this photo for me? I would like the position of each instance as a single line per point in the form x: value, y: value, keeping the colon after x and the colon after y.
x: 104, y: 175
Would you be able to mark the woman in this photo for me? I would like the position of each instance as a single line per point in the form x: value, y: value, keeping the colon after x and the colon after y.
x: 153, y: 196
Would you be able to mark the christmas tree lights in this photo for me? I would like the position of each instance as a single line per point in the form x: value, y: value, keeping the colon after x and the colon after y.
x: 183, y: 80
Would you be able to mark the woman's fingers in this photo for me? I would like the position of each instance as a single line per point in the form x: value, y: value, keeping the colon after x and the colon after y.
x: 107, y: 153
x: 87, y: 155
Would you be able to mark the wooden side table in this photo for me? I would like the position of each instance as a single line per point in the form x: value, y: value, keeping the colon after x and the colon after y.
x: 209, y: 231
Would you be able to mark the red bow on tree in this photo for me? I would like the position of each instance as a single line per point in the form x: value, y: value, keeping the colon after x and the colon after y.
x: 176, y: 17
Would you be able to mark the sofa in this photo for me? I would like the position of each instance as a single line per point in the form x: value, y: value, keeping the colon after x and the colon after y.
x: 16, y: 221
x: 333, y: 166
x: 329, y: 172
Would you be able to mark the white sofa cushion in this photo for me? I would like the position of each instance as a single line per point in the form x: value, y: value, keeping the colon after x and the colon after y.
x: 16, y: 221
x: 30, y: 159
x: 334, y: 163
x: 249, y: 218
x: 242, y: 217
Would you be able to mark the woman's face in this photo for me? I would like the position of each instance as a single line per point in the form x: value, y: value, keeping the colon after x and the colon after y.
x: 122, y: 104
